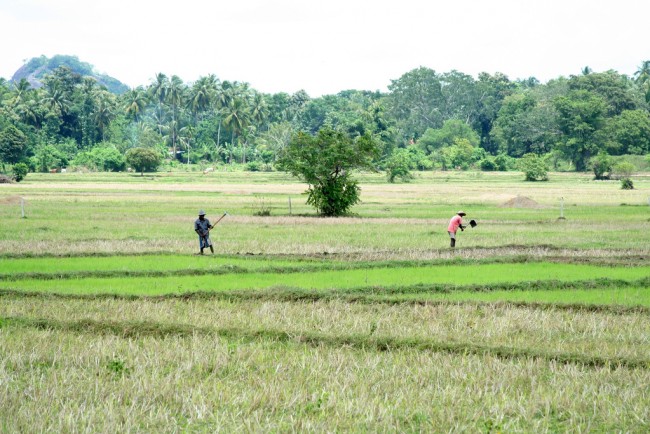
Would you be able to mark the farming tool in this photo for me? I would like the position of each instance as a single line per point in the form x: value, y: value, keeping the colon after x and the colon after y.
x: 224, y: 214
x: 472, y: 223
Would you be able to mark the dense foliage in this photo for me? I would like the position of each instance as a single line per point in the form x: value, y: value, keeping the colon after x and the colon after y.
x: 143, y: 159
x: 325, y: 162
x: 441, y: 120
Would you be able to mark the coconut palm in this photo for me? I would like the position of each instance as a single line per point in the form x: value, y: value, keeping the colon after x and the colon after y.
x: 158, y: 91
x: 135, y: 103
x: 21, y: 92
x: 237, y: 118
x: 23, y: 104
x: 55, y: 99
x: 202, y: 95
x: 175, y: 99
x: 259, y: 110
x: 642, y: 75
x: 104, y: 111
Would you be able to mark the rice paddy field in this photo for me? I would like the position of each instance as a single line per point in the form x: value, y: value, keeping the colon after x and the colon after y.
x: 538, y: 321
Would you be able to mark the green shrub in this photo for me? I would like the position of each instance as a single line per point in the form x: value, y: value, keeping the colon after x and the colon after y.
x: 601, y: 165
x: 398, y: 165
x: 627, y: 184
x: 103, y: 157
x: 488, y: 164
x: 253, y: 166
x: 504, y: 162
x: 20, y: 171
x: 143, y: 159
x: 534, y: 167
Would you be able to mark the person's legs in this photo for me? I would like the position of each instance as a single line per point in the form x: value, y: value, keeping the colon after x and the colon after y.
x: 208, y: 243
x: 452, y: 237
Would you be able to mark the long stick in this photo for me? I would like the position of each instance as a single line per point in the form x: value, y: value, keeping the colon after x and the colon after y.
x: 224, y: 214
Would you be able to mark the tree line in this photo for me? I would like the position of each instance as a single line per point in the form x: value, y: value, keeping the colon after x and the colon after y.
x: 426, y: 120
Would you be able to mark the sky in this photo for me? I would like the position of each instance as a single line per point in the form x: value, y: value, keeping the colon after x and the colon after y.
x: 324, y: 47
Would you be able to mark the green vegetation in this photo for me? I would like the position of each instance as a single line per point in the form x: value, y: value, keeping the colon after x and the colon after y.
x: 325, y: 163
x: 20, y: 171
x: 109, y: 321
x: 143, y: 160
x: 337, y: 279
x: 77, y: 120
x: 534, y: 168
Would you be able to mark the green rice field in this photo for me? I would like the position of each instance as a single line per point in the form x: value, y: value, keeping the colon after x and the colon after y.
x: 111, y: 322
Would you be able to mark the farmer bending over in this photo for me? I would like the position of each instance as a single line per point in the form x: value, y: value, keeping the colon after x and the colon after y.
x: 202, y: 228
x: 455, y: 223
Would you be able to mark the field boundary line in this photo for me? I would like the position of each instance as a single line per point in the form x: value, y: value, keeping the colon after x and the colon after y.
x: 504, y: 253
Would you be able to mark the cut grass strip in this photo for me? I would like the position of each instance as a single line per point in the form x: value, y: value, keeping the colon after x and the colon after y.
x: 451, y: 275
x: 43, y: 266
x: 129, y: 329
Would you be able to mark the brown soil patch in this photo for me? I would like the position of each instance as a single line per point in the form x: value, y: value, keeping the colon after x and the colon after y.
x: 521, y: 202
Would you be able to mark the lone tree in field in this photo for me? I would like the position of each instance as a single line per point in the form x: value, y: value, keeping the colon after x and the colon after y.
x: 325, y: 161
x: 534, y: 167
x: 143, y: 159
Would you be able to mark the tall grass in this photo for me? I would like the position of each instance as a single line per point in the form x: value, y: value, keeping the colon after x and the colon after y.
x: 151, y: 380
x: 540, y: 331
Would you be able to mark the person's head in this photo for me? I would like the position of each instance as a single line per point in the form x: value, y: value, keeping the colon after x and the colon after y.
x: 461, y: 213
x: 201, y: 215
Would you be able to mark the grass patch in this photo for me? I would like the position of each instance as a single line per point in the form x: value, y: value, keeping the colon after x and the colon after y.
x: 368, y: 323
x: 135, y: 330
x: 483, y: 274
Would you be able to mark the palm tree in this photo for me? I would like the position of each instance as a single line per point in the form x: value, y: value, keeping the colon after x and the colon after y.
x: 21, y: 92
x: 202, y: 95
x: 135, y: 102
x: 237, y: 119
x: 158, y: 91
x: 55, y: 99
x: 23, y: 104
x: 175, y: 99
x: 642, y: 75
x: 104, y: 111
x: 259, y: 109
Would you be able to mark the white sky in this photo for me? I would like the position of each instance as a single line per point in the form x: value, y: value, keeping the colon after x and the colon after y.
x: 327, y: 46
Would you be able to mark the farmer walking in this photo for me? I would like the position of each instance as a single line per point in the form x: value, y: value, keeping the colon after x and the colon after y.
x: 455, y: 223
x: 202, y: 228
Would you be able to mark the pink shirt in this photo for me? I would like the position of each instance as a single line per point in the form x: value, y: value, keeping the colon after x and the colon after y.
x: 454, y: 223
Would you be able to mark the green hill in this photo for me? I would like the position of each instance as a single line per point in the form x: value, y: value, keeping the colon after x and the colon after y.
x: 37, y: 67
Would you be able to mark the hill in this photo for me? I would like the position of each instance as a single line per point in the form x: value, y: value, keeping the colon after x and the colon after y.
x: 37, y: 67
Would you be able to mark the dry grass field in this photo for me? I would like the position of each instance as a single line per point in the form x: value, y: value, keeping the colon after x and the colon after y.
x: 519, y: 350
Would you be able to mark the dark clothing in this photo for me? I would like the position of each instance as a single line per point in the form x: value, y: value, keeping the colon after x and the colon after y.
x: 202, y: 228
